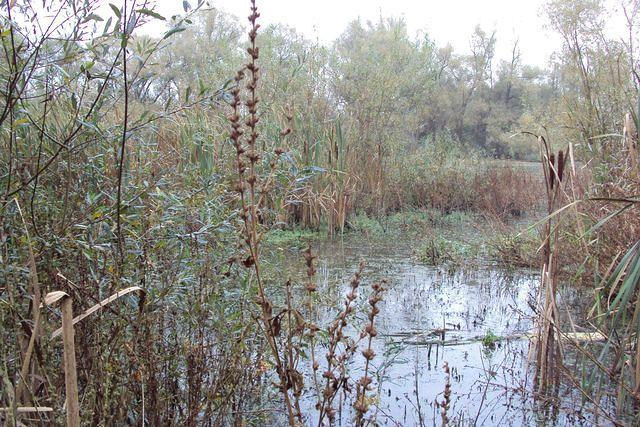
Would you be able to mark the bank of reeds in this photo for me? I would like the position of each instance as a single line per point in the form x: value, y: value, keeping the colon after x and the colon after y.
x: 322, y: 181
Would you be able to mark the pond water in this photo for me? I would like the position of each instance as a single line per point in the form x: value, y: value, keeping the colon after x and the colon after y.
x: 475, y: 319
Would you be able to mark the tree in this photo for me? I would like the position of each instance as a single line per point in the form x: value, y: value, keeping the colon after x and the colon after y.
x: 596, y: 72
x: 382, y: 80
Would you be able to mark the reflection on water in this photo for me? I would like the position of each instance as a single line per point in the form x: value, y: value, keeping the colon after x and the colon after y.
x: 476, y: 320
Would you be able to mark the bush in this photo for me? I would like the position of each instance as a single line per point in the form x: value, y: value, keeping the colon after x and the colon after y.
x: 447, y: 177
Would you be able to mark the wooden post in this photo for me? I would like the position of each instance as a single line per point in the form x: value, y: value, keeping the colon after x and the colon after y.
x: 67, y: 332
x: 69, y: 354
x: 70, y: 375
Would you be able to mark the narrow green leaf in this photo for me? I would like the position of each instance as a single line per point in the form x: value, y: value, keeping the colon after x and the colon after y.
x: 151, y: 13
x: 107, y: 25
x: 92, y: 17
x: 115, y: 10
x: 607, y: 218
x: 131, y: 25
x: 20, y: 122
x: 172, y: 32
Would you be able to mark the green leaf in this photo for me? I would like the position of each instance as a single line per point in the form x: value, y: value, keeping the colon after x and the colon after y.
x: 86, y: 66
x: 202, y: 87
x: 607, y: 218
x: 93, y: 17
x: 20, y: 122
x: 152, y: 14
x: 172, y: 32
x: 132, y: 23
x: 107, y: 25
x: 115, y: 10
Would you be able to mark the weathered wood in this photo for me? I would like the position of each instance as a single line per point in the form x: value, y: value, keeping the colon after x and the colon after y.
x: 69, y: 356
x: 28, y: 409
x: 70, y: 375
x: 99, y: 305
x: 420, y: 338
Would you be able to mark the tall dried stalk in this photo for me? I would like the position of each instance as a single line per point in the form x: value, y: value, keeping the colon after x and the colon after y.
x: 335, y: 375
x: 311, y: 290
x: 548, y: 346
x: 245, y: 136
x: 364, y: 384
x: 34, y: 290
x: 285, y: 329
x: 446, y: 401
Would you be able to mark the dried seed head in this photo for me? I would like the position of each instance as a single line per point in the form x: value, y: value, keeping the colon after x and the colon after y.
x: 253, y: 156
x: 361, y: 406
x: 368, y: 354
x: 365, y: 381
x: 249, y: 261
x: 331, y: 413
x: 371, y: 330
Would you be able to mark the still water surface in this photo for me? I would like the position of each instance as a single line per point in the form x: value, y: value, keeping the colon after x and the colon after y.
x: 476, y: 319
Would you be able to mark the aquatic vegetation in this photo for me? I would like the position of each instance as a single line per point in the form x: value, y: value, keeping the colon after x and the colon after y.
x: 437, y: 251
x: 279, y: 237
x: 515, y: 249
x: 364, y: 224
x: 489, y: 339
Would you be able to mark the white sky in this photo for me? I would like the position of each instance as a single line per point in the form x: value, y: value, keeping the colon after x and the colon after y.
x: 445, y: 21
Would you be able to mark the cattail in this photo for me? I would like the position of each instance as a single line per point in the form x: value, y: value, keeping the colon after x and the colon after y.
x: 560, y: 165
x: 552, y: 170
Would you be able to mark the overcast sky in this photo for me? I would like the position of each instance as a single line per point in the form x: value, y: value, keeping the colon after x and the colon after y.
x: 445, y: 21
